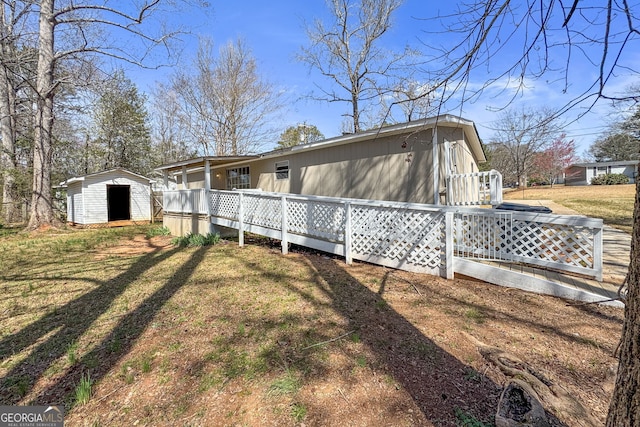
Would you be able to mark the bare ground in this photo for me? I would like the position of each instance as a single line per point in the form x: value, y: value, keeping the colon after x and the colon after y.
x: 245, y: 336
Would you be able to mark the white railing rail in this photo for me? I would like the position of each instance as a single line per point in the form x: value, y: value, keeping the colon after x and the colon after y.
x: 408, y: 236
x: 565, y: 243
x: 474, y: 189
x: 185, y: 201
x: 399, y: 235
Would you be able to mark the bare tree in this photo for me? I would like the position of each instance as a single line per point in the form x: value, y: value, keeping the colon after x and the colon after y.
x: 511, y: 44
x: 170, y: 139
x: 576, y: 44
x: 226, y: 105
x: 519, y: 136
x: 15, y: 61
x: 406, y: 97
x: 76, y: 25
x: 348, y: 53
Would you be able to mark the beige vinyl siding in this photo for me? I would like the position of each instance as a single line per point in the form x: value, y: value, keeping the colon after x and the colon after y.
x: 195, y: 180
x: 376, y: 169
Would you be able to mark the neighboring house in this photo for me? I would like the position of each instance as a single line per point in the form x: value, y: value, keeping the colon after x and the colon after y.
x: 115, y: 196
x: 582, y: 173
x: 394, y: 163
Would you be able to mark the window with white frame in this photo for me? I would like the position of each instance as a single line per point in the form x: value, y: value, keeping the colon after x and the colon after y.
x: 282, y: 170
x: 239, y: 178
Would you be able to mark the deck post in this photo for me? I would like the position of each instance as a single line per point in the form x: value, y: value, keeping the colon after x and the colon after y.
x: 347, y: 234
x: 597, y: 253
x: 184, y: 178
x: 207, y: 187
x: 284, y: 225
x: 240, y: 219
x: 448, y: 245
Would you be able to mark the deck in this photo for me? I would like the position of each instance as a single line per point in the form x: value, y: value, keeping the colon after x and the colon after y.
x: 615, y: 262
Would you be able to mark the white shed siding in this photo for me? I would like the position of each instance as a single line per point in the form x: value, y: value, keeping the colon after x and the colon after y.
x: 75, y: 210
x: 95, y: 196
x: 87, y: 200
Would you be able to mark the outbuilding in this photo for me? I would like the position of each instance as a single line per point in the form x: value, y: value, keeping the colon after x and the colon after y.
x: 112, y: 197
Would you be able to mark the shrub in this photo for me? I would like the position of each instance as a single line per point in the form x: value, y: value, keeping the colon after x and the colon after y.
x: 610, y: 179
x: 191, y: 240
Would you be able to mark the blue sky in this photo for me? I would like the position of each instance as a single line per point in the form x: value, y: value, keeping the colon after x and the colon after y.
x: 274, y: 31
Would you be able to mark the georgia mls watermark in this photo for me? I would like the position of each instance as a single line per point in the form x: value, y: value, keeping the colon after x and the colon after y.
x: 31, y: 416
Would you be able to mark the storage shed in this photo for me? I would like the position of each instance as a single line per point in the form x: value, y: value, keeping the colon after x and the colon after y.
x: 112, y: 197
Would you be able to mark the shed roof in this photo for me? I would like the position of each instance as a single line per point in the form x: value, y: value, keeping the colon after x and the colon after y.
x: 399, y: 129
x: 83, y: 177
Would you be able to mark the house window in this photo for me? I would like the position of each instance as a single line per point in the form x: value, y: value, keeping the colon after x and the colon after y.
x: 282, y: 170
x: 238, y: 178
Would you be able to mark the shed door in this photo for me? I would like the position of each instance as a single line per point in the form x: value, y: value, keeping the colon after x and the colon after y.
x: 119, y: 202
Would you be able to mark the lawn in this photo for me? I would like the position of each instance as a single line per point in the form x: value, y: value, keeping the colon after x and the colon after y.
x: 125, y: 329
x: 612, y: 203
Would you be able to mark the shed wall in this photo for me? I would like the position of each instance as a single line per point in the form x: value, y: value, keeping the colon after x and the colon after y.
x: 75, y: 210
x: 95, y: 197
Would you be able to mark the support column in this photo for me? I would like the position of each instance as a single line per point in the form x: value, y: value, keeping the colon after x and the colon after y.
x: 207, y: 185
x: 184, y: 177
x: 347, y: 234
x: 284, y: 226
x: 436, y: 166
x: 448, y: 246
x: 240, y: 219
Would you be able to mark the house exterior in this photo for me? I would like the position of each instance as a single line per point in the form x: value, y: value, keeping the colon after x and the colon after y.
x: 396, y: 163
x: 582, y: 173
x: 115, y: 196
x: 408, y: 162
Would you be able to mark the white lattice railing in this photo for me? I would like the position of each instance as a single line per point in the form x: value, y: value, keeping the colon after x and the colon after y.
x: 566, y: 243
x: 185, y: 201
x: 473, y: 189
x: 403, y: 235
x: 410, y: 237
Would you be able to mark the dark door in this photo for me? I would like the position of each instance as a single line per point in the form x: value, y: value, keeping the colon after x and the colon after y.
x: 119, y: 202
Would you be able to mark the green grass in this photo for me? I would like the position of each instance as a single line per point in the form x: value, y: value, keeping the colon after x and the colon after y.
x: 464, y: 419
x: 83, y: 391
x: 474, y: 315
x: 298, y: 411
x: 191, y: 240
x: 289, y: 383
x: 158, y: 231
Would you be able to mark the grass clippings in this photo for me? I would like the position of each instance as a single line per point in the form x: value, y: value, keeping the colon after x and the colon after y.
x: 226, y: 335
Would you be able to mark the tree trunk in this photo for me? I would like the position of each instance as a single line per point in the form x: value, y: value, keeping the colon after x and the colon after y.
x: 356, y: 112
x: 8, y: 154
x: 9, y: 209
x: 41, y: 214
x: 625, y: 403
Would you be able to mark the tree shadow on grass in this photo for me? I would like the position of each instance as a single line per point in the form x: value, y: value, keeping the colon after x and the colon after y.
x: 55, y: 332
x: 422, y: 368
x: 123, y: 335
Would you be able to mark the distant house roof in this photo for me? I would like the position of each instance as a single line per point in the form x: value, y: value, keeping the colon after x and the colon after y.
x: 596, y: 164
x: 82, y: 178
x: 399, y: 129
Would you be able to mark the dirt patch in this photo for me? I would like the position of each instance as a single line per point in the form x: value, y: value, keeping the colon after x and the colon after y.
x: 139, y: 245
